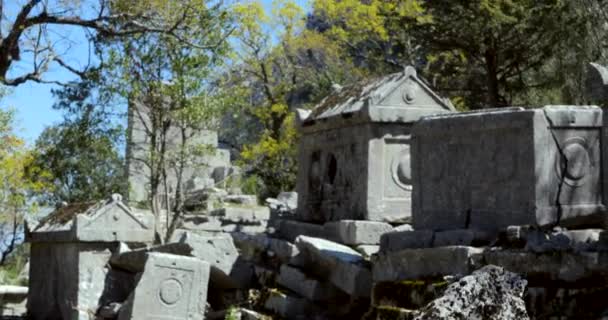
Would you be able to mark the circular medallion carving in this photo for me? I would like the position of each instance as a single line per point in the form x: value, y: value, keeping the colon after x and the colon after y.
x: 574, y: 164
x: 170, y: 291
x: 401, y: 170
x: 409, y: 93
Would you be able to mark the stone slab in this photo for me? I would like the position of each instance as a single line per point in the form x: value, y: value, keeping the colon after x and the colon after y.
x: 305, y: 286
x: 291, y: 229
x: 549, y: 173
x: 242, y: 214
x: 367, y: 250
x: 395, y: 241
x: 353, y: 232
x: 242, y: 199
x: 261, y: 247
x: 135, y: 260
x: 220, y: 252
x: 170, y: 287
x: 342, y: 266
x: 411, y: 264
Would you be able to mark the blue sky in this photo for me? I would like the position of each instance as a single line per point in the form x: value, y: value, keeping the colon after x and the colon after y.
x: 34, y: 101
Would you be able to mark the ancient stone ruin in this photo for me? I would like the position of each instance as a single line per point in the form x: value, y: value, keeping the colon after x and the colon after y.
x: 507, y: 222
x: 354, y: 155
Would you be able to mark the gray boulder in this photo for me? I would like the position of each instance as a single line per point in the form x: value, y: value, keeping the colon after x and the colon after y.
x: 488, y: 293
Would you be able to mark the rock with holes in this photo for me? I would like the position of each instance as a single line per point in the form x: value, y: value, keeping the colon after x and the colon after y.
x: 489, y: 293
x: 170, y: 287
x: 354, y: 153
x: 490, y: 169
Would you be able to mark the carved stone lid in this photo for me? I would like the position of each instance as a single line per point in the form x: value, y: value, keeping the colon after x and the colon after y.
x: 102, y: 221
x: 398, y: 97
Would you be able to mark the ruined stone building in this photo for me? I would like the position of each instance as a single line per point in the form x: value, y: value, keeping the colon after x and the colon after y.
x: 354, y: 154
x: 204, y: 171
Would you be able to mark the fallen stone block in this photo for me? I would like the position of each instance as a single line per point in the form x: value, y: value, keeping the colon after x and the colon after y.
x: 170, y: 287
x: 579, y: 268
x: 291, y: 229
x: 245, y: 214
x: 309, y: 288
x: 287, y: 306
x: 219, y: 251
x: 342, y: 266
x: 13, y: 301
x: 261, y: 247
x: 395, y: 241
x: 567, y: 240
x: 489, y: 293
x: 353, y: 232
x: 411, y: 264
x: 367, y: 250
x: 403, y: 227
x: 135, y: 260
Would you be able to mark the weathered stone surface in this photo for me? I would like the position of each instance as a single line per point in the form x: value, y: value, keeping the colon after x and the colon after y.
x: 395, y: 241
x: 291, y: 229
x: 219, y: 251
x: 211, y: 225
x: 289, y: 307
x: 243, y: 214
x: 342, y: 266
x: 403, y: 227
x: 135, y: 260
x: 352, y: 232
x: 489, y: 293
x: 367, y: 249
x: 550, y: 172
x: 309, y: 288
x: 574, y: 240
x: 464, y: 237
x: 354, y: 160
x: 104, y: 221
x: 260, y: 247
x: 77, y: 283
x: 170, y: 287
x: 410, y: 264
x: 562, y: 266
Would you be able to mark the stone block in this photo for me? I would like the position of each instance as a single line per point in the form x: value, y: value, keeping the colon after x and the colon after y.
x: 574, y: 268
x: 245, y: 214
x: 367, y: 250
x: 288, y: 306
x: 395, y: 241
x: 260, y: 247
x: 220, y: 252
x: 342, y: 266
x: 13, y: 301
x: 512, y: 166
x: 412, y: 264
x: 566, y: 240
x: 291, y: 229
x: 170, y: 287
x: 135, y: 260
x: 353, y: 232
x: 354, y: 151
x: 67, y: 280
x: 464, y: 237
x: 309, y: 288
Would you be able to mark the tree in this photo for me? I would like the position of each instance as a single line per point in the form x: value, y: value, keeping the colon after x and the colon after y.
x: 32, y: 30
x: 289, y: 69
x: 16, y: 185
x: 81, y: 152
x: 169, y: 90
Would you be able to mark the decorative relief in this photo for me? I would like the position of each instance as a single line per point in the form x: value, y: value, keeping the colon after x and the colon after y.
x: 574, y: 163
x: 170, y: 291
x: 401, y: 170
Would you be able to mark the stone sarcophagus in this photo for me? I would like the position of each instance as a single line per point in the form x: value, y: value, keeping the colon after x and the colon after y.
x: 70, y: 251
x: 354, y: 152
x: 491, y: 169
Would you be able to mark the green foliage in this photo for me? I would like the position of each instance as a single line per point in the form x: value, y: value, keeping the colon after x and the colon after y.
x: 81, y: 152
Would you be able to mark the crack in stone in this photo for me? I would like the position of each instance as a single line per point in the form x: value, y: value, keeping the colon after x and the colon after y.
x: 562, y: 174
